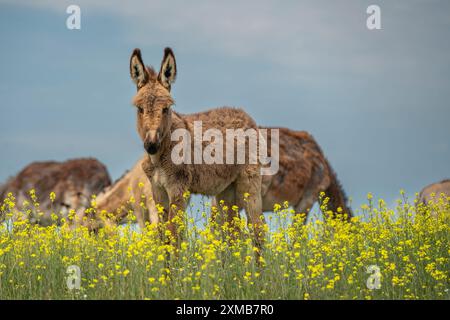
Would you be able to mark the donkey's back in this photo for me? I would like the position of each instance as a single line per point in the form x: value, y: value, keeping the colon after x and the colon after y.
x: 433, y: 191
x: 213, y: 178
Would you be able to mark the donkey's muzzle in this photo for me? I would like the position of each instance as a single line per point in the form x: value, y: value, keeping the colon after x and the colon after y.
x: 151, y: 147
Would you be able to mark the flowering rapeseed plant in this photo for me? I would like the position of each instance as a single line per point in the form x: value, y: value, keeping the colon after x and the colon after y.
x: 325, y: 259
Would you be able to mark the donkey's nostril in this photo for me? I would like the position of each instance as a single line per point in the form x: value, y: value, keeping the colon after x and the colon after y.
x: 151, y: 147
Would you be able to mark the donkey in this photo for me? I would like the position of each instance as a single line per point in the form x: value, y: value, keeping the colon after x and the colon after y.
x: 303, y: 173
x: 438, y: 188
x: 115, y: 200
x: 156, y: 121
x: 72, y: 181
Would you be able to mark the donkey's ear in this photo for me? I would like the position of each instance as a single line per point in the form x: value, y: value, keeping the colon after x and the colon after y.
x: 138, y: 72
x: 168, y: 71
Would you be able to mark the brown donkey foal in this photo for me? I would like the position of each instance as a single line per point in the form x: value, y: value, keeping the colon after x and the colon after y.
x: 156, y: 121
x: 303, y: 173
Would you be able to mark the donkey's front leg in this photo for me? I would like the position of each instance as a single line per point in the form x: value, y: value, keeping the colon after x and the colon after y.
x: 158, y: 193
x: 176, y: 210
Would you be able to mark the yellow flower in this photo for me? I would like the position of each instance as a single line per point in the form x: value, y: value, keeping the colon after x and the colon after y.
x: 330, y: 284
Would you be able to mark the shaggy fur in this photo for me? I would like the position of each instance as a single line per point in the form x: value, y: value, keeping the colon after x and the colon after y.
x: 73, y: 182
x: 304, y: 172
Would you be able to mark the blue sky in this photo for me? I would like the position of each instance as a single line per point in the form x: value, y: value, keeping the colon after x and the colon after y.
x: 376, y: 101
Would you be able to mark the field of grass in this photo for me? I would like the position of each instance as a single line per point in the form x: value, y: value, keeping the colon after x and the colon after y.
x: 381, y: 254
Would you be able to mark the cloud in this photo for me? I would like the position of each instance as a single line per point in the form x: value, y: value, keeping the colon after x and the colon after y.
x: 297, y: 34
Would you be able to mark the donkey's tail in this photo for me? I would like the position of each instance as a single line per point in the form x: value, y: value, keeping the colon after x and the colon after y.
x: 338, y: 198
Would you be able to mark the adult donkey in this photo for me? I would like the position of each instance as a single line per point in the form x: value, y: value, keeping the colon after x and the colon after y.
x: 437, y: 188
x: 132, y: 192
x: 304, y: 172
x: 432, y: 193
x: 73, y: 182
x: 156, y: 121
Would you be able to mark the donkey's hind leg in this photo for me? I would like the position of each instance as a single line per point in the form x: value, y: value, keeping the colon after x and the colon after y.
x: 317, y: 183
x: 251, y: 183
x: 309, y: 197
x: 227, y: 198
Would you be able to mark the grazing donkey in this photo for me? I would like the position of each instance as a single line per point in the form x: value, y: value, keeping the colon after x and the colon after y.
x: 72, y: 181
x: 115, y: 200
x: 304, y: 172
x: 436, y: 189
x: 156, y: 121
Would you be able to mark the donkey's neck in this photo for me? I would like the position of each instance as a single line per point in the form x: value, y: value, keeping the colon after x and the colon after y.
x: 164, y: 153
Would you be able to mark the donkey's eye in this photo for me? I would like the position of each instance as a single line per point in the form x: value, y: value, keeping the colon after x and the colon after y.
x: 140, y: 110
